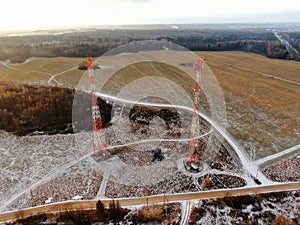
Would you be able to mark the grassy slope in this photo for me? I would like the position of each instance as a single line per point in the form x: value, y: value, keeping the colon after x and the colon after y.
x: 263, y: 112
x: 287, y: 69
x: 140, y: 70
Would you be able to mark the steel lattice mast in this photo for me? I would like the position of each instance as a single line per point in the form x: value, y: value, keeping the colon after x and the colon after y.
x: 100, y: 148
x: 195, y: 151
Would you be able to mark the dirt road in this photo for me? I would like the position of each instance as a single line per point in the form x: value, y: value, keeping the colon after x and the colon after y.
x: 125, y: 202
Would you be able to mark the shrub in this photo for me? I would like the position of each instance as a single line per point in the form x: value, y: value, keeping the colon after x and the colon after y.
x: 196, y: 214
x: 281, y: 220
x: 149, y: 214
x: 115, y: 212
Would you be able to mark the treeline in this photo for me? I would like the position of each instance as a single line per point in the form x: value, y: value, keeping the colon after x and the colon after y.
x: 95, y: 42
x: 19, y: 53
x: 25, y: 109
x: 271, y: 49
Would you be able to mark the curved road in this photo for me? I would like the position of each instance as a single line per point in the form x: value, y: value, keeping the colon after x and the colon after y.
x: 248, y: 165
x: 125, y: 202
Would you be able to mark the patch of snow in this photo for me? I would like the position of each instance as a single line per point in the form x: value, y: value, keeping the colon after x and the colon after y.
x: 49, y: 200
x: 77, y: 197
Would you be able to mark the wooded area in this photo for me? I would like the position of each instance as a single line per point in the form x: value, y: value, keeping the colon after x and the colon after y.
x: 25, y: 109
x: 95, y: 42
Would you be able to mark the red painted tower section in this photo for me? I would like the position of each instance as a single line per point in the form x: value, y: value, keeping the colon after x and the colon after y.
x: 195, y: 151
x: 100, y: 148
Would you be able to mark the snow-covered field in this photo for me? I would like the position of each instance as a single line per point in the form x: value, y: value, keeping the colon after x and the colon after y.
x: 30, y: 161
x: 41, y: 168
x: 284, y: 170
x: 36, y: 168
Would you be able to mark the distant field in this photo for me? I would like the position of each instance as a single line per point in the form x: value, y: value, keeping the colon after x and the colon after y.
x: 263, y: 112
x: 287, y: 69
x: 41, y: 70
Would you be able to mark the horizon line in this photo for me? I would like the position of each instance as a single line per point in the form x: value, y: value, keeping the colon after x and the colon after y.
x: 141, y: 24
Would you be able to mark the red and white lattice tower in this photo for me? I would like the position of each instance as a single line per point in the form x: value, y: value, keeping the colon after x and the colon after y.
x: 100, y: 148
x: 195, y: 151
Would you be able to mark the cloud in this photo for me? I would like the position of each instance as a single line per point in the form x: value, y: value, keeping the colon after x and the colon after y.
x: 134, y: 1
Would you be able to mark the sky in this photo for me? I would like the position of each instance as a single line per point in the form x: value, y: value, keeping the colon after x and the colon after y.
x: 24, y: 14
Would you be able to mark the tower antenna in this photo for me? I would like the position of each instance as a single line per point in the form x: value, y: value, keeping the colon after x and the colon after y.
x: 99, y: 145
x: 195, y: 146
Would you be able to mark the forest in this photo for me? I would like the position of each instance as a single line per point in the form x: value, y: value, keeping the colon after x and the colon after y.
x: 95, y: 42
x: 26, y: 109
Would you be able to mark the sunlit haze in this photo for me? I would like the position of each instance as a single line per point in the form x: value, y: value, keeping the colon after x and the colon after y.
x: 20, y: 14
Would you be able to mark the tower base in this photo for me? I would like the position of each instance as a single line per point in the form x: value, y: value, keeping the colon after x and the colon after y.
x: 192, y: 167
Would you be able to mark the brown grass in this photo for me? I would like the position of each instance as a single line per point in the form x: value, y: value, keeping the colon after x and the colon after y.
x: 145, y: 69
x: 262, y: 111
x: 41, y: 69
x: 288, y: 69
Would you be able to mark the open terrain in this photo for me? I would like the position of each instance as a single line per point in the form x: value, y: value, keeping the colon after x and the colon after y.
x: 149, y: 143
x: 261, y: 94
